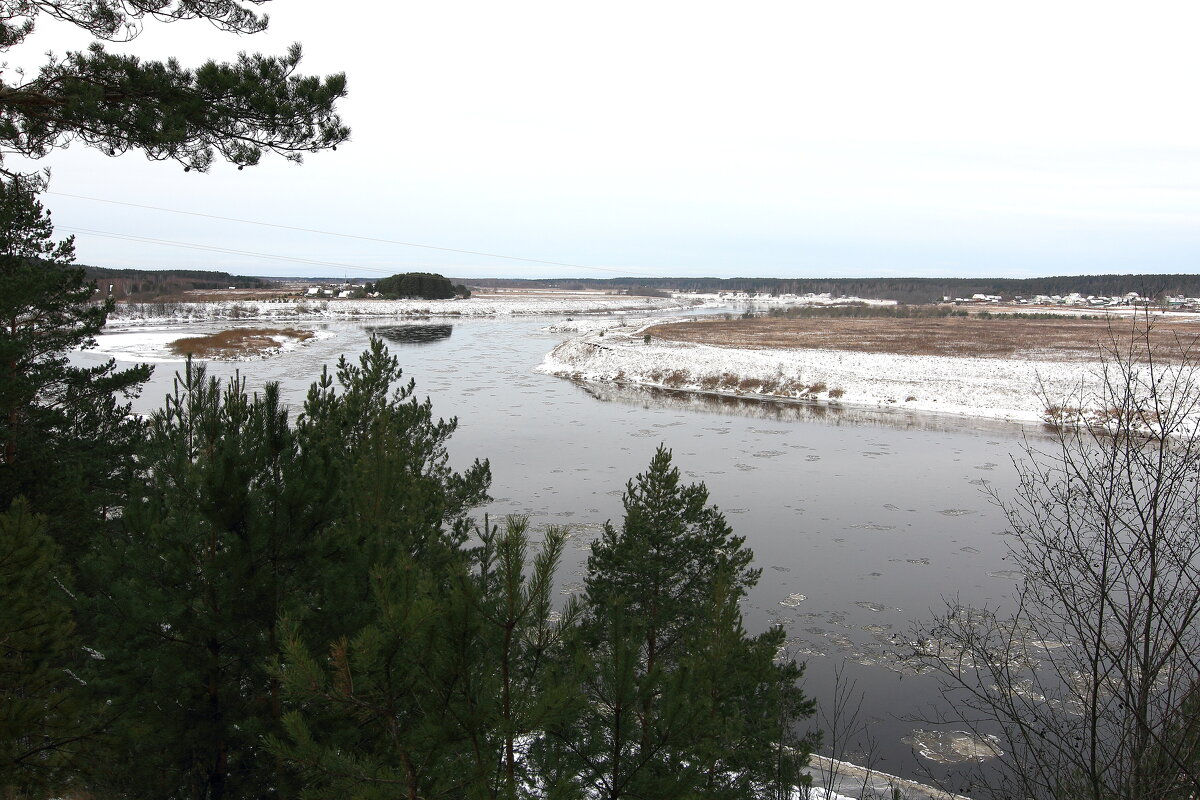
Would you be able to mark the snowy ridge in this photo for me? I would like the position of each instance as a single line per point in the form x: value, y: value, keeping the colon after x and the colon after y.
x: 480, y: 306
x: 982, y: 387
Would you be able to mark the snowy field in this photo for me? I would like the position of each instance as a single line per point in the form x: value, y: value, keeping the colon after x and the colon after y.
x: 981, y: 387
x: 482, y: 305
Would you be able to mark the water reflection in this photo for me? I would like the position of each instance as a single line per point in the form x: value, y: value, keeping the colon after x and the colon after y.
x: 413, y: 333
x: 783, y: 410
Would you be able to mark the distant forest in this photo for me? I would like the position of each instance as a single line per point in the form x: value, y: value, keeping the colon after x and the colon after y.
x: 143, y: 284
x: 424, y: 285
x: 905, y: 290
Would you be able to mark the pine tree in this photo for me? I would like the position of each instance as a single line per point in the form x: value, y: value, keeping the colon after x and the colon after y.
x: 388, y: 711
x: 524, y: 638
x: 241, y: 520
x: 43, y: 724
x: 190, y: 589
x: 65, y: 438
x: 663, y: 563
x: 446, y: 686
x: 118, y: 103
x: 678, y: 700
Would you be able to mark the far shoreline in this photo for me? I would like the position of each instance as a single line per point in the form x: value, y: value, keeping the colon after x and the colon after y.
x: 1003, y: 390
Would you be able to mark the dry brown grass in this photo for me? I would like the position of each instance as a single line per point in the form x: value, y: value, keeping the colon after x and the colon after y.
x: 236, y: 342
x: 1044, y: 339
x: 675, y: 378
x: 220, y: 295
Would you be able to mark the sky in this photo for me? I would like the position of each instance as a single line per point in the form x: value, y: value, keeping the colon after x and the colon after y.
x: 789, y: 139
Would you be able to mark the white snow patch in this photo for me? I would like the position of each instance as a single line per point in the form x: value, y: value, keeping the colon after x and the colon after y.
x: 982, y: 387
x: 135, y: 345
x: 620, y: 324
x: 154, y: 345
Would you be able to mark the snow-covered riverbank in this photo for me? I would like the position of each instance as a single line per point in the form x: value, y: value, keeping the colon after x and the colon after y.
x: 482, y: 305
x: 981, y: 387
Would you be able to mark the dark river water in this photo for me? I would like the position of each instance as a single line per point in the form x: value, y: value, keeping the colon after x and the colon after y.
x: 862, y: 521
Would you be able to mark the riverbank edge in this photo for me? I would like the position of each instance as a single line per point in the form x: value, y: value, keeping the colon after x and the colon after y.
x: 254, y: 311
x: 1006, y: 390
x: 870, y: 783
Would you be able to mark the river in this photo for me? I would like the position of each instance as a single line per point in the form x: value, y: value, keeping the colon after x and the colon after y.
x: 862, y: 521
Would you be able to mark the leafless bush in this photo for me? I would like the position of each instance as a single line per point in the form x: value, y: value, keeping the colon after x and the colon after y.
x: 676, y: 378
x: 1091, y: 677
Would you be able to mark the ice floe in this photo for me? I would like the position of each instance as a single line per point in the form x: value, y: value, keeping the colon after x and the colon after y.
x: 953, y: 747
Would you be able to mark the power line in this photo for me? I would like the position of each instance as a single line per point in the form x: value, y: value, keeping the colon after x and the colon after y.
x: 211, y: 248
x: 344, y: 235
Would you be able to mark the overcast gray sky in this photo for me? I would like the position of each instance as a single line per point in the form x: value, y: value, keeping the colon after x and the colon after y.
x: 691, y: 138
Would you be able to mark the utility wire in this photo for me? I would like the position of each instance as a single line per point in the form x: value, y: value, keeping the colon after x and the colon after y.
x: 214, y: 249
x: 345, y: 235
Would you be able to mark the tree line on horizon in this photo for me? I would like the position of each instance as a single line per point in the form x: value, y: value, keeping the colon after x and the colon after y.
x: 148, y: 284
x: 903, y: 290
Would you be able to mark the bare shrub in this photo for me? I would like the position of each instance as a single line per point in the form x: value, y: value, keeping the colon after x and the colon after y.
x: 749, y: 384
x: 1059, y: 415
x: 835, y: 393
x: 676, y: 378
x: 1091, y: 677
x: 817, y: 387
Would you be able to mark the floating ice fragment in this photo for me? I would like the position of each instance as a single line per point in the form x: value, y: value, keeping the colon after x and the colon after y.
x: 876, y: 607
x: 792, y: 600
x: 953, y: 747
